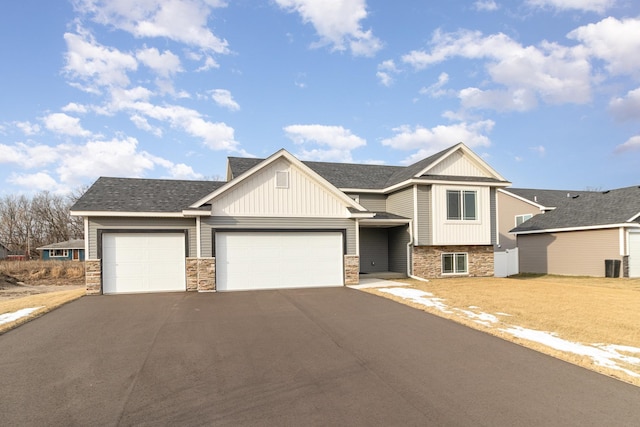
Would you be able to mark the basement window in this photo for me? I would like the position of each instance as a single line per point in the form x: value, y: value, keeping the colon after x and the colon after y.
x: 282, y: 179
x: 455, y: 263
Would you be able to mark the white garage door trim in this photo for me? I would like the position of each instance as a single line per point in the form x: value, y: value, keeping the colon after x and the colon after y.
x: 248, y: 260
x: 136, y: 262
x: 634, y: 254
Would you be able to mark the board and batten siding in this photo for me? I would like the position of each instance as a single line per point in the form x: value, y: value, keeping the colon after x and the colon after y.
x: 128, y: 223
x: 258, y: 195
x: 575, y: 253
x: 268, y: 224
x: 461, y: 232
x: 373, y: 202
x: 458, y: 164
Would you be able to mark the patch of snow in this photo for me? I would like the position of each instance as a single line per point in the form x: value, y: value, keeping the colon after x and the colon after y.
x: 603, y: 355
x: 12, y: 317
x: 606, y: 355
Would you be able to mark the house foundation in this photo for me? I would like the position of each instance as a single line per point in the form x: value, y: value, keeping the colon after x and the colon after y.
x: 427, y: 260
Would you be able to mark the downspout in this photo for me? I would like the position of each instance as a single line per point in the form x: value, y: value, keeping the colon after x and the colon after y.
x: 409, y: 255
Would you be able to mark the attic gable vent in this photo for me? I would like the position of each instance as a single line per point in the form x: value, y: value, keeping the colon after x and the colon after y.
x: 282, y: 179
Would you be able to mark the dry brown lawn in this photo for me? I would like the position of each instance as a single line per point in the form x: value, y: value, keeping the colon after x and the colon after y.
x: 578, y: 309
x: 46, y: 302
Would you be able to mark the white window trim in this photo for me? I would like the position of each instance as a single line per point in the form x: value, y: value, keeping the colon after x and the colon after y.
x: 462, y: 221
x: 454, y: 273
x: 65, y: 253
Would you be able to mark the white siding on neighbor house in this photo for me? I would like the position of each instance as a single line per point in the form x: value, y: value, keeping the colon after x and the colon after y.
x: 226, y: 222
x: 458, y: 164
x: 258, y: 196
x: 128, y: 223
x: 460, y: 232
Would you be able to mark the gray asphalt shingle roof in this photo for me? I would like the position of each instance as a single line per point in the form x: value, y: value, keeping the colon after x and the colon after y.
x: 143, y: 195
x: 69, y: 244
x: 589, y: 208
x: 547, y: 198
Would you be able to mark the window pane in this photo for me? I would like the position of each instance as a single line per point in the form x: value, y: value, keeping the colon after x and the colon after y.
x: 461, y: 263
x: 470, y: 205
x: 453, y: 205
x: 522, y: 218
x: 447, y: 263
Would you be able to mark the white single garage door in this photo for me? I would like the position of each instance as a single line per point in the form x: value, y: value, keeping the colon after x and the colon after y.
x: 634, y: 254
x: 143, y: 262
x: 274, y: 260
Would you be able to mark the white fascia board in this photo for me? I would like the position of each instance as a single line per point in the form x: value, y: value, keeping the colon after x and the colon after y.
x: 129, y: 214
x: 195, y: 212
x: 362, y: 214
x: 522, y: 199
x: 634, y: 218
x: 282, y: 153
x: 422, y: 181
x: 585, y: 228
x: 385, y: 222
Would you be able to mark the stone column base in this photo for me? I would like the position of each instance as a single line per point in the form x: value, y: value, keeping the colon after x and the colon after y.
x: 93, y: 276
x: 201, y: 274
x: 351, y: 269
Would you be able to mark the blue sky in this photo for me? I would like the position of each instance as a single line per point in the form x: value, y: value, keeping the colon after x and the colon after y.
x: 546, y: 91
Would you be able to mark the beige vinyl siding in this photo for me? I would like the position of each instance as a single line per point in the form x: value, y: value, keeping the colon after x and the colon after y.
x: 401, y: 202
x: 259, y: 195
x: 374, y: 202
x: 575, y: 253
x: 461, y: 232
x: 425, y: 217
x: 227, y: 222
x: 458, y: 164
x: 128, y: 223
x: 508, y: 208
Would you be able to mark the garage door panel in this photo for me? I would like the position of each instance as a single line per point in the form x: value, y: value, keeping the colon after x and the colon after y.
x: 143, y: 262
x: 268, y: 260
x: 634, y: 255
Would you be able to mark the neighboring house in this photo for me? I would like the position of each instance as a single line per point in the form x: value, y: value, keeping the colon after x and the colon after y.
x: 588, y: 233
x: 280, y: 222
x: 72, y: 250
x: 4, y: 251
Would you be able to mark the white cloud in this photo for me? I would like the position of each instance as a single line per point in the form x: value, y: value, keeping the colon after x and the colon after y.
x: 143, y: 123
x: 96, y: 65
x: 631, y: 144
x: 435, y: 90
x: 37, y: 181
x: 182, y: 171
x: 223, y: 98
x: 340, y: 141
x: 64, y: 124
x: 184, y: 21
x: 72, y: 107
x: 386, y: 71
x: 539, y: 149
x: 628, y: 107
x: 486, y: 5
x: 28, y: 128
x: 28, y: 156
x: 617, y: 42
x: 430, y: 141
x: 164, y: 64
x: 599, y: 6
x: 555, y: 73
x: 499, y: 100
x: 337, y: 22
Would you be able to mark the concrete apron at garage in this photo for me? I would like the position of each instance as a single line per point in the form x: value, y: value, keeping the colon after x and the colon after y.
x: 332, y: 356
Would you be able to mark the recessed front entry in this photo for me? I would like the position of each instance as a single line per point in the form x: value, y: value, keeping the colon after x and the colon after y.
x: 272, y: 260
x: 143, y: 262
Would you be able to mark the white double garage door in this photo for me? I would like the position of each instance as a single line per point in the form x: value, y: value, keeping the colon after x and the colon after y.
x: 245, y: 260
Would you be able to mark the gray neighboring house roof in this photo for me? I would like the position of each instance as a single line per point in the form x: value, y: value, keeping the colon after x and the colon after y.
x: 588, y: 209
x: 69, y: 244
x: 550, y: 199
x: 143, y: 195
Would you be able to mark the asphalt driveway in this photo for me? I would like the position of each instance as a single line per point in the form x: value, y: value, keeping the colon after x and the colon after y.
x: 296, y: 357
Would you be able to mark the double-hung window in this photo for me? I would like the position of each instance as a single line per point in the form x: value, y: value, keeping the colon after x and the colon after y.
x: 455, y: 263
x: 462, y: 205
